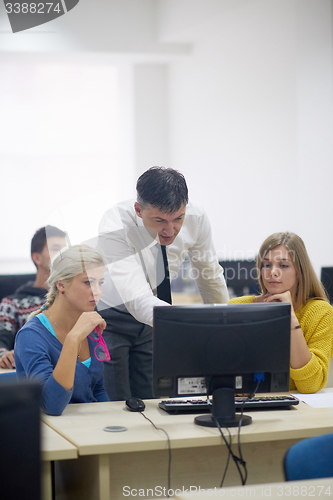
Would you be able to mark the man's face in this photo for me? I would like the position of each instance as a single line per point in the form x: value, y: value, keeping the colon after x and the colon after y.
x: 53, y: 245
x: 162, y: 226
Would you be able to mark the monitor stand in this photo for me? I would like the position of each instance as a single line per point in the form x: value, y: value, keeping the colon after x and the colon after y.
x: 223, y: 408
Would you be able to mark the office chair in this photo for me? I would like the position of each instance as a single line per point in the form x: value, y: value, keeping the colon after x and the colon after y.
x: 309, y: 459
x: 20, y: 462
x: 9, y: 283
x: 8, y: 376
x: 326, y: 276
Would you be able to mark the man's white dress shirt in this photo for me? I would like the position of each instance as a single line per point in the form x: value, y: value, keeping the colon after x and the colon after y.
x: 130, y: 253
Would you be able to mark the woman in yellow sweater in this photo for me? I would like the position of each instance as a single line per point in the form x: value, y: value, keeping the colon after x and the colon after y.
x: 286, y: 275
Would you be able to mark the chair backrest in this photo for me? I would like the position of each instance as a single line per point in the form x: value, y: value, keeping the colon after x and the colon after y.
x: 9, y: 283
x: 10, y: 375
x: 310, y: 459
x: 20, y: 465
x: 326, y: 276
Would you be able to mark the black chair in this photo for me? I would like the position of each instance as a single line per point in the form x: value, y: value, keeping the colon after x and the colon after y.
x: 20, y: 462
x: 310, y: 459
x: 7, y: 376
x: 326, y: 277
x: 9, y: 283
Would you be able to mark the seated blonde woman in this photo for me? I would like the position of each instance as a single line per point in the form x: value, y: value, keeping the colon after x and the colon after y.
x: 61, y: 344
x: 286, y: 275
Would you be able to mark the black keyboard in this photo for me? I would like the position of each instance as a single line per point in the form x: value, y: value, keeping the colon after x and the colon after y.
x: 205, y: 405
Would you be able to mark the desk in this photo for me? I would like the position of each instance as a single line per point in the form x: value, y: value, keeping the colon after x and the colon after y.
x: 180, y: 298
x: 138, y: 457
x: 314, y: 488
x: 54, y: 447
x: 5, y: 370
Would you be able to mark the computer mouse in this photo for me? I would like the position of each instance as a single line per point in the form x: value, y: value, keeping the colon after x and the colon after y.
x: 135, y: 404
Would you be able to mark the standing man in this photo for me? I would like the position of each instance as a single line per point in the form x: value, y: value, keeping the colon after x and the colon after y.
x: 142, y: 242
x: 15, y: 309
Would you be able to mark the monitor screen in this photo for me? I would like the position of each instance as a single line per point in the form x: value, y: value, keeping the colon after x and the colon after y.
x: 20, y: 458
x: 221, y: 350
x: 241, y: 274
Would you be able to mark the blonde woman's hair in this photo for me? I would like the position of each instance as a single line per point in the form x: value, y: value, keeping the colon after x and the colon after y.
x: 69, y: 262
x: 308, y: 285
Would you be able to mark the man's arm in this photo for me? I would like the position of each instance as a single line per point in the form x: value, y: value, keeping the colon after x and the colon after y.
x: 128, y: 280
x: 8, y: 329
x: 7, y: 338
x: 209, y: 274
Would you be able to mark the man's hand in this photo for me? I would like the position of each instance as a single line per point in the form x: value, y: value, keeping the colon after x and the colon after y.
x: 7, y: 360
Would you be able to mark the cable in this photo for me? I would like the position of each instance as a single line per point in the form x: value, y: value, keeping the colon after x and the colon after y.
x: 239, y: 460
x: 250, y: 396
x: 229, y: 454
x: 169, y: 450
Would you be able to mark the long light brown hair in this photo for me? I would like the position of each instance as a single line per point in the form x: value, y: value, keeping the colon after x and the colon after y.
x: 308, y: 285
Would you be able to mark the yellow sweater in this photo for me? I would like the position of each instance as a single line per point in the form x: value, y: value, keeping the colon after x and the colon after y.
x: 316, y: 320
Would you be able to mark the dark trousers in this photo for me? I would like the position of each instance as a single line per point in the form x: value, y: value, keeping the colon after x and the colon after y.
x: 129, y: 373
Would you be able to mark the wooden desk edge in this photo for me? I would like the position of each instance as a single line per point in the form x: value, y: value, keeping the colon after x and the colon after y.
x: 64, y: 449
x: 7, y: 370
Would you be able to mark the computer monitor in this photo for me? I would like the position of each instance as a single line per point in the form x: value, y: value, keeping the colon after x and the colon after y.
x: 20, y: 457
x: 221, y: 350
x: 239, y: 275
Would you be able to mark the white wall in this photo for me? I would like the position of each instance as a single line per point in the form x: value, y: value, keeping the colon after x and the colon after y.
x: 251, y: 119
x: 151, y: 108
x: 237, y: 94
x: 62, y: 151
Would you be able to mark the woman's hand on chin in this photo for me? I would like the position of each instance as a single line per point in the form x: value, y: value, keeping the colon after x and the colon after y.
x: 262, y: 298
x: 86, y: 324
x: 278, y: 297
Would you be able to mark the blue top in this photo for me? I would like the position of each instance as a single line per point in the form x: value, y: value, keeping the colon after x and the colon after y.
x: 46, y: 322
x: 36, y: 354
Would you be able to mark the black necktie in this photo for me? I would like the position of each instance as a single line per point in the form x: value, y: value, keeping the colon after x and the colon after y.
x: 163, y: 289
